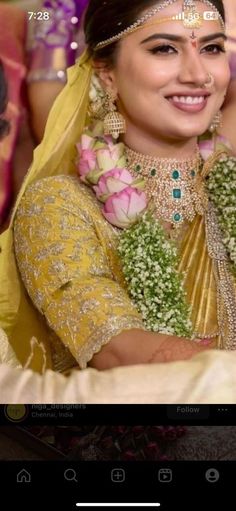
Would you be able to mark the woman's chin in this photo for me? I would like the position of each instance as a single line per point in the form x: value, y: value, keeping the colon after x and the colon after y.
x: 193, y: 131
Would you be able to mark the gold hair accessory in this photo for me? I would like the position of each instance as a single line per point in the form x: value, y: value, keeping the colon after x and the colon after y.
x: 114, y: 122
x: 210, y: 82
x: 217, y: 122
x: 189, y: 16
x: 176, y: 187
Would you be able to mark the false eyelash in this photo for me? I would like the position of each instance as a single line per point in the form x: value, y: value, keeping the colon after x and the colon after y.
x: 158, y: 49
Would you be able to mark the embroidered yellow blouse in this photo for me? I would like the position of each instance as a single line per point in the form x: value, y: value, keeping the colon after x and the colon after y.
x: 66, y: 253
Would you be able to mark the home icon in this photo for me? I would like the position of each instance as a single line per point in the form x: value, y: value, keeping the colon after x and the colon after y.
x: 23, y: 476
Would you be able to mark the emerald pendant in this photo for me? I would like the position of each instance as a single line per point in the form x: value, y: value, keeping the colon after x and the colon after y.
x: 176, y: 174
x: 177, y: 217
x: 177, y: 193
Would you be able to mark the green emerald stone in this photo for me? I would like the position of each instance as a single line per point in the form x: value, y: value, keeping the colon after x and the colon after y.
x: 138, y: 168
x: 176, y: 174
x: 177, y: 217
x: 177, y: 193
x: 193, y: 173
x: 153, y: 172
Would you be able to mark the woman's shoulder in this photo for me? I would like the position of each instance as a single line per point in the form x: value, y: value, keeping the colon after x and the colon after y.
x: 57, y: 190
x: 62, y: 183
x: 57, y: 197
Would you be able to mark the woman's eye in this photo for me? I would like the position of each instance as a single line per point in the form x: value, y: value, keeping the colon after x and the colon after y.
x: 214, y: 48
x: 163, y: 49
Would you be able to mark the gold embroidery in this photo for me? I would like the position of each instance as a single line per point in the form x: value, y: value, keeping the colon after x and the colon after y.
x: 66, y: 253
x: 226, y: 295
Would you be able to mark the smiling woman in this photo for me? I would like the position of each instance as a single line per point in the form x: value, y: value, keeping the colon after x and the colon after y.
x: 124, y: 231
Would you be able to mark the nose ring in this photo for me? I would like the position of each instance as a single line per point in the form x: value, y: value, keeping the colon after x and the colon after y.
x: 210, y: 82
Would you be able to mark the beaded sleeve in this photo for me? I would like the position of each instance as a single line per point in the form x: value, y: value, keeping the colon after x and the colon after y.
x: 66, y: 254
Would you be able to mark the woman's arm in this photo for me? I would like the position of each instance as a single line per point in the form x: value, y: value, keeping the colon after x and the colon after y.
x: 140, y: 347
x: 68, y: 277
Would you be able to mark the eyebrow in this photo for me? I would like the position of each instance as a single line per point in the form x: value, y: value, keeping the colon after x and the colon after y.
x: 180, y: 39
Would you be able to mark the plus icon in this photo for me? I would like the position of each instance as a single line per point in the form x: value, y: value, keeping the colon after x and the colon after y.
x: 118, y: 475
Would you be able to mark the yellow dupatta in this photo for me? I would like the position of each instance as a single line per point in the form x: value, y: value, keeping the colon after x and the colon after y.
x: 66, y: 121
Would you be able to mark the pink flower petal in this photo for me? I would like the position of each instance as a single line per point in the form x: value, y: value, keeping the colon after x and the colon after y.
x: 86, y: 142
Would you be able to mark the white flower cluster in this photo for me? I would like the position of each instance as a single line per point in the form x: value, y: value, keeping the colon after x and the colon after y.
x: 150, y: 268
x: 222, y: 192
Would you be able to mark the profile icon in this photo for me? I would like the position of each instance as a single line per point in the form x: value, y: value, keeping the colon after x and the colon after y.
x: 16, y: 413
x: 212, y: 475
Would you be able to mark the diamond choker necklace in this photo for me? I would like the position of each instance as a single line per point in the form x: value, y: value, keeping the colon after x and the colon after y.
x: 175, y: 187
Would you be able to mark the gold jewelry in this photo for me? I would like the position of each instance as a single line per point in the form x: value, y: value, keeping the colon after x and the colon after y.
x: 216, y: 122
x: 114, y: 122
x: 189, y: 16
x: 175, y: 187
x: 210, y: 82
x: 98, y: 99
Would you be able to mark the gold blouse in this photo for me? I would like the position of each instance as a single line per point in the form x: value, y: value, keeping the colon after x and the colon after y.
x: 66, y: 253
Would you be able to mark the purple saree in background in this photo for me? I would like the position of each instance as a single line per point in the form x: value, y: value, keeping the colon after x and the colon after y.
x: 12, y: 30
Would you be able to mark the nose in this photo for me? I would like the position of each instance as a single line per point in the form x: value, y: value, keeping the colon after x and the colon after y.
x: 193, y: 70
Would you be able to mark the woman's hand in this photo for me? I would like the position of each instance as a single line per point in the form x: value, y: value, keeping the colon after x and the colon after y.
x: 141, y: 347
x: 208, y: 343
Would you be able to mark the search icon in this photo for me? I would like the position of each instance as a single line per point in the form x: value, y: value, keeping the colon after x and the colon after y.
x: 70, y: 475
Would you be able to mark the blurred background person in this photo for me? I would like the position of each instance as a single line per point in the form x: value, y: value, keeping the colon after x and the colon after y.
x: 35, y: 60
x: 15, y: 149
x: 55, y: 45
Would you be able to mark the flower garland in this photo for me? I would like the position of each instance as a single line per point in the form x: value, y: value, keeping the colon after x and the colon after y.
x: 149, y: 265
x: 149, y: 259
x: 222, y: 192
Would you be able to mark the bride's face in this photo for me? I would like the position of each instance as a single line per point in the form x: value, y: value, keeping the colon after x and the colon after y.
x: 160, y: 74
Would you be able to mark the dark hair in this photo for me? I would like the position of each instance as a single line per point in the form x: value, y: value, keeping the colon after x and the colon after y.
x: 104, y: 19
x: 4, y: 125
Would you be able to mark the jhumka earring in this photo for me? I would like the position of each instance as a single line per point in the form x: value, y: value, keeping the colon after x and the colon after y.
x: 216, y: 122
x: 114, y: 122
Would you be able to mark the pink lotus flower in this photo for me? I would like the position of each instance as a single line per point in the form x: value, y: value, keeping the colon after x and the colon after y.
x: 123, y: 208
x: 87, y: 163
x: 87, y: 157
x: 114, y: 181
x: 207, y: 147
x: 111, y: 157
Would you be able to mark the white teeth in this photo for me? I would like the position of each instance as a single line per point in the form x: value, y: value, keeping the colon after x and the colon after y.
x: 189, y: 100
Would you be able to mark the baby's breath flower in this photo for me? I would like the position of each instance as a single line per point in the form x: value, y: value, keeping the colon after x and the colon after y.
x: 222, y: 192
x: 150, y: 269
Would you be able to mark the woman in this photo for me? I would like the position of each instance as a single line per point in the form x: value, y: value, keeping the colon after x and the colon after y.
x: 56, y: 43
x: 71, y: 259
x: 17, y: 148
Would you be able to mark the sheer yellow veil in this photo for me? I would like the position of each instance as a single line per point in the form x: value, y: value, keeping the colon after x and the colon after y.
x: 55, y: 155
